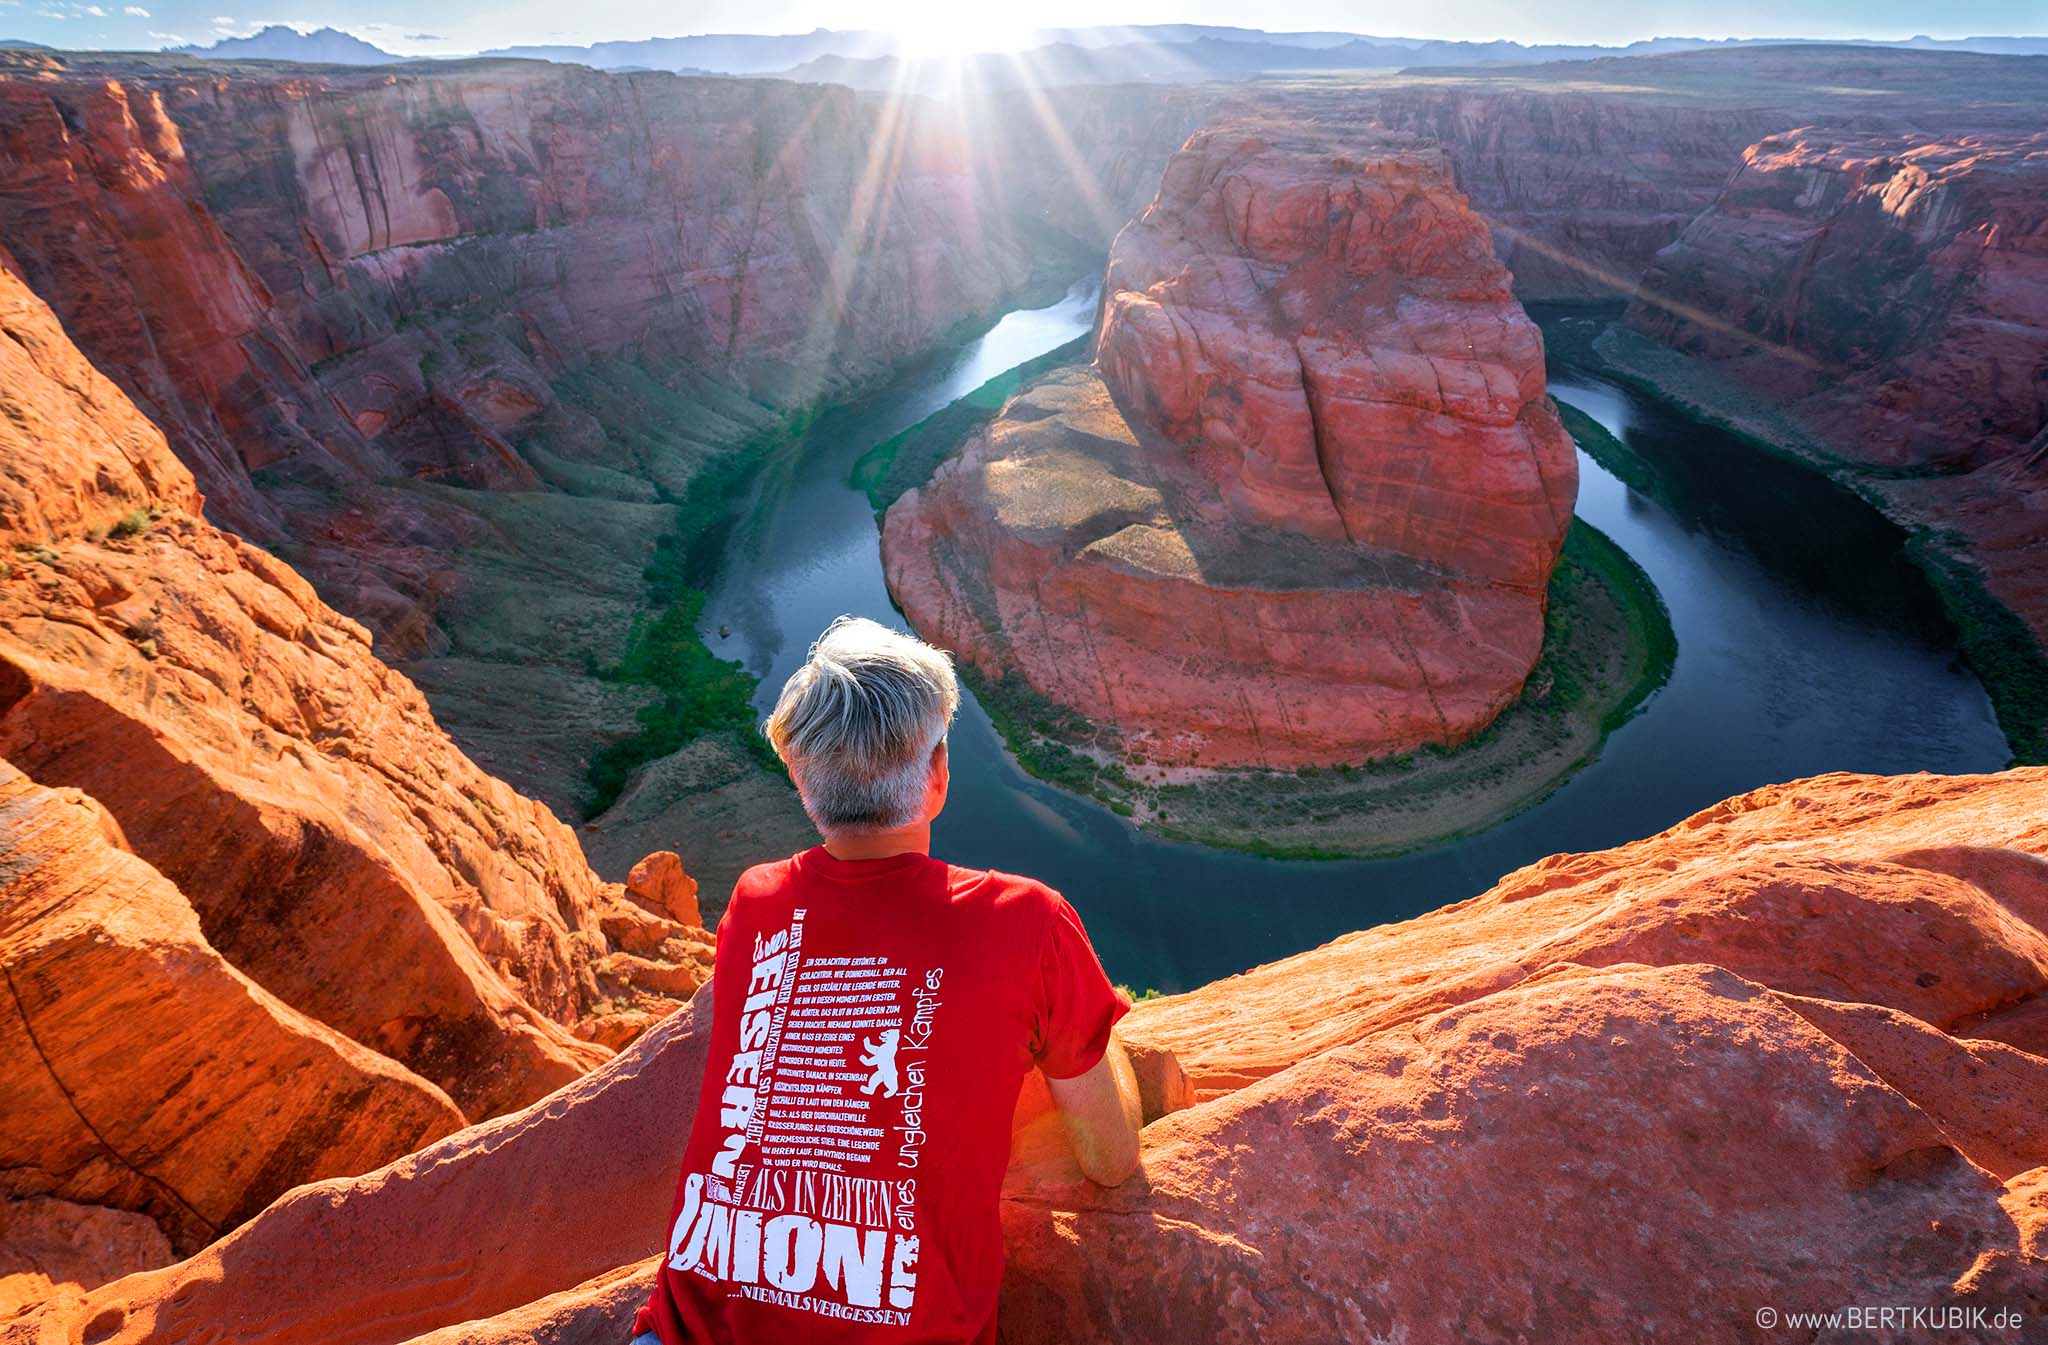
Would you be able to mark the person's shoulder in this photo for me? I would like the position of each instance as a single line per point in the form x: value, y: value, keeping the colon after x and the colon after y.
x: 766, y: 879
x: 1011, y: 892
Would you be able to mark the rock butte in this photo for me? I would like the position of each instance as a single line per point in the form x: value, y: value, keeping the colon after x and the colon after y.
x: 1786, y: 1052
x: 260, y: 921
x: 1304, y: 507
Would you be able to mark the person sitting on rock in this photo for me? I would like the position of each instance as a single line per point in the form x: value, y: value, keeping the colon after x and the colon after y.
x: 815, y: 1203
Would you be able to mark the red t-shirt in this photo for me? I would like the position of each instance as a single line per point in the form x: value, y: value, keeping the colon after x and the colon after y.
x: 872, y: 1023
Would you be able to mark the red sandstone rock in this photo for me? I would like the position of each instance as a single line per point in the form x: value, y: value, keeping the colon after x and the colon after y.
x: 333, y: 846
x: 1592, y: 1155
x: 659, y: 883
x: 479, y: 1224
x: 53, y: 1250
x: 145, y: 1072
x: 1553, y: 1089
x: 1316, y: 523
x: 1891, y: 292
x: 298, y: 791
x: 1331, y: 339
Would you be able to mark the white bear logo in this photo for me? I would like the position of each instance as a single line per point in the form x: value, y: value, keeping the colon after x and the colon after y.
x: 882, y: 1055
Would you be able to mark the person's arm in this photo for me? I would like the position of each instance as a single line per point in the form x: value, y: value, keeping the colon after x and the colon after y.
x: 1102, y: 1115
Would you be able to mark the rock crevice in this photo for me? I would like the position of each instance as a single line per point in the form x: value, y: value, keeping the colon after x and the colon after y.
x: 1304, y: 507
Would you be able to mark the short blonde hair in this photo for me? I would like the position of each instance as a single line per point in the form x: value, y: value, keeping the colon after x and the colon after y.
x: 858, y: 723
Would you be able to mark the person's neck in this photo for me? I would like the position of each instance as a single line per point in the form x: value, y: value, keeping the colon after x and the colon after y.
x: 911, y: 840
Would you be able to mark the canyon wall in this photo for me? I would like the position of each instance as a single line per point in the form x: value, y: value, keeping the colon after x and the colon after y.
x: 1580, y: 189
x: 455, y: 341
x: 460, y: 342
x: 261, y: 922
x: 1305, y: 507
x: 1888, y: 293
x: 1579, y: 186
x: 339, y: 279
x: 1786, y: 1054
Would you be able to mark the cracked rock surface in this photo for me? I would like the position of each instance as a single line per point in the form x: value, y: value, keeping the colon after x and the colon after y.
x: 1304, y: 507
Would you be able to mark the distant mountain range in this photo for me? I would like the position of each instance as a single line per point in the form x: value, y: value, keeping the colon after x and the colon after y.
x: 1204, y: 58
x: 1163, y: 52
x: 725, y: 53
x: 1160, y: 53
x: 324, y: 46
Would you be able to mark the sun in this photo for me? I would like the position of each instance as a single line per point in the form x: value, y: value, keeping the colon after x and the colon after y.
x: 949, y: 29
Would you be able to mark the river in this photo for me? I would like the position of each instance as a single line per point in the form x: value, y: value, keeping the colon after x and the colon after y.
x: 1806, y: 643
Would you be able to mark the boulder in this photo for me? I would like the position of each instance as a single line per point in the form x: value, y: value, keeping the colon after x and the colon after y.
x: 146, y: 1073
x: 659, y: 883
x: 51, y: 1250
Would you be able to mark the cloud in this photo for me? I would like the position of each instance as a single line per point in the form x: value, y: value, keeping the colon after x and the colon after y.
x: 93, y: 10
x: 136, y: 11
x: 424, y: 37
x: 175, y: 39
x: 222, y: 23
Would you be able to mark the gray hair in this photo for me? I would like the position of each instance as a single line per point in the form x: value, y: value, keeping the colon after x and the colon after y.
x: 858, y: 723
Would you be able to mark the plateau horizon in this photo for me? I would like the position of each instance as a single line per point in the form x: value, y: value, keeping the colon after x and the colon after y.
x: 734, y: 39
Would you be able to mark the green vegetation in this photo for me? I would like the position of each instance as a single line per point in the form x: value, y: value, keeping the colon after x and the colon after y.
x: 698, y: 692
x: 907, y: 460
x: 1608, y: 645
x: 133, y: 524
x: 1999, y: 647
x: 1608, y: 451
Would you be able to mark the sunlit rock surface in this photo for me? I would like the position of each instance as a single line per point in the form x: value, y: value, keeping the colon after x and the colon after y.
x: 262, y: 922
x: 1742, y: 1063
x: 1304, y: 507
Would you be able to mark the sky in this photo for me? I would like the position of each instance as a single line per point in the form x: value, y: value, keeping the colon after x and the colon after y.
x: 446, y: 27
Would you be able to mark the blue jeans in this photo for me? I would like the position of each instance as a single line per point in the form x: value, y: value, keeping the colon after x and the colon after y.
x: 646, y: 1338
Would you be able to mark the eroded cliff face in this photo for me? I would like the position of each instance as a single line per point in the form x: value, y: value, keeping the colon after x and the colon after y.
x: 339, y: 279
x: 1304, y: 508
x: 1890, y: 293
x: 1795, y: 1040
x: 261, y: 922
x: 455, y: 343
x: 1580, y: 189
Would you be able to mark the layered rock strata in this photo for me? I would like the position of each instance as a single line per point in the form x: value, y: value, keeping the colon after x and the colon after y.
x: 457, y: 343
x: 1305, y: 507
x: 262, y: 921
x: 1890, y: 293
